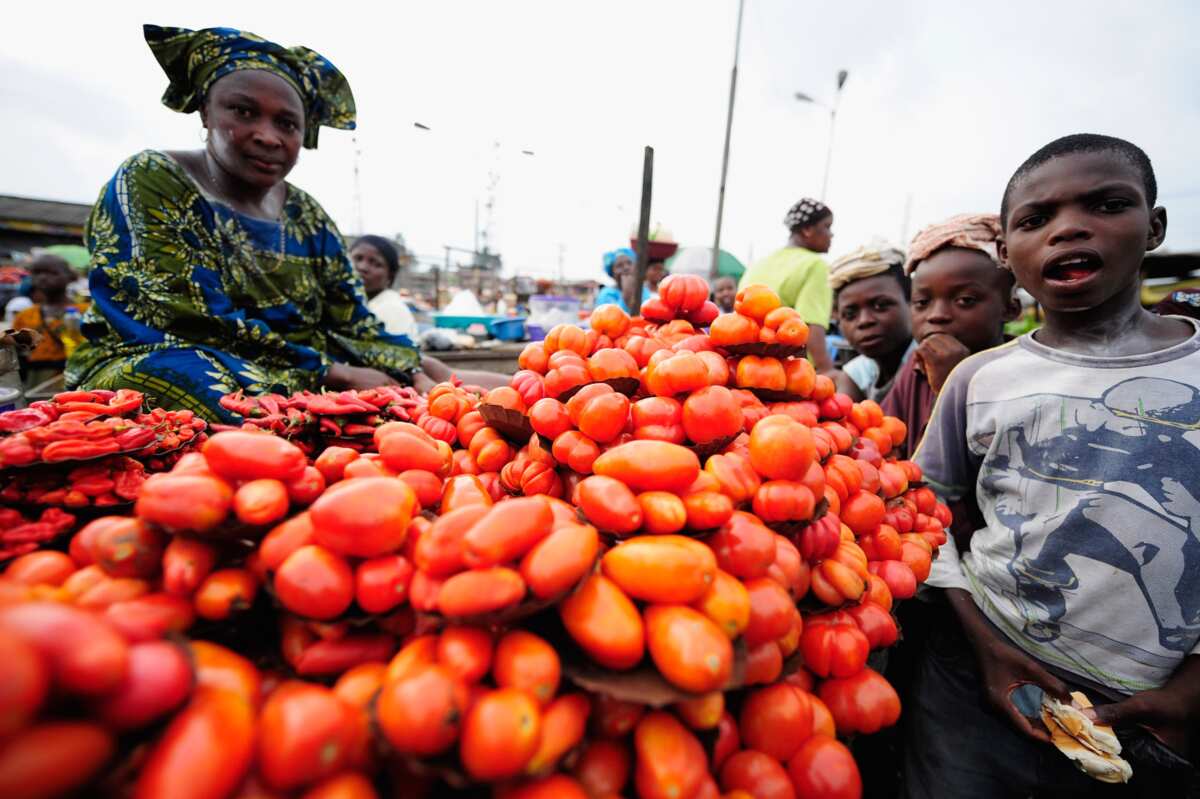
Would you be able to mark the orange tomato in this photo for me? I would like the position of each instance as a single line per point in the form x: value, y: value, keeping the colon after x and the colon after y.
x: 45, y: 567
x: 726, y: 603
x: 507, y: 532
x: 365, y: 517
x: 736, y: 476
x: 800, y: 376
x: 528, y: 663
x: 612, y: 363
x: 603, y: 620
x: 421, y: 713
x: 243, y: 455
x: 564, y: 721
x: 688, y: 649
x: 609, y: 320
x: 500, y: 735
x: 662, y: 512
x: 186, y: 502
x: 306, y: 735
x: 730, y: 329
x: 560, y: 560
x: 471, y: 593
x: 314, y: 582
x: 650, y: 466
x: 462, y: 490
x: 661, y: 568
x: 756, y: 301
x: 670, y: 761
x: 205, y: 751
x: 781, y: 448
x: 677, y: 373
x: 533, y: 357
x: 566, y: 337
x: 761, y: 372
x: 711, y: 413
x: 466, y: 651
x: 223, y: 669
x: 659, y: 419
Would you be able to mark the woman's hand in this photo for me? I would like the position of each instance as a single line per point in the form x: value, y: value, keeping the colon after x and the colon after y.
x: 936, y: 356
x: 343, y: 376
x: 1004, y: 667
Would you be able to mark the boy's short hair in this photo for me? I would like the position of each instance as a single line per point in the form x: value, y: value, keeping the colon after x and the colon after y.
x: 1084, y: 143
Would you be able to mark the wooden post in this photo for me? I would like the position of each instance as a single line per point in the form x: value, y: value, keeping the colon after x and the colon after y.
x: 634, y: 300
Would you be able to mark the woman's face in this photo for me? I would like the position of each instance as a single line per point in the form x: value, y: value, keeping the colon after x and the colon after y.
x: 255, y: 124
x: 371, y: 267
x: 819, y: 236
x: 622, y: 266
x: 655, y: 272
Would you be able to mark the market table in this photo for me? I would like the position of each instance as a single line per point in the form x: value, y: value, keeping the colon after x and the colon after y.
x: 501, y: 358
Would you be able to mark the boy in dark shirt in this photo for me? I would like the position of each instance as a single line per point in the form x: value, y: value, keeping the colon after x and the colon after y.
x: 1079, y: 442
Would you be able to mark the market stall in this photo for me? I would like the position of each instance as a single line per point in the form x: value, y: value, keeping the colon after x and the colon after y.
x: 655, y: 564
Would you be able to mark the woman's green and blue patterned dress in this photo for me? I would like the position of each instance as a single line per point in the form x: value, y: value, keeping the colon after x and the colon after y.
x: 193, y: 300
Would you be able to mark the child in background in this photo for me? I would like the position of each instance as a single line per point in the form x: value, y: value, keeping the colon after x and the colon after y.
x: 960, y: 302
x: 51, y: 276
x: 1079, y: 440
x: 724, y: 293
x: 870, y: 304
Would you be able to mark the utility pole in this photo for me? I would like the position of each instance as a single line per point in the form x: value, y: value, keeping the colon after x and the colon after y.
x: 737, y: 46
x: 633, y: 294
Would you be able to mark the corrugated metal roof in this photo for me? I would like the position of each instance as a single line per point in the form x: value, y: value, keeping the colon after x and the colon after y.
x: 46, y: 212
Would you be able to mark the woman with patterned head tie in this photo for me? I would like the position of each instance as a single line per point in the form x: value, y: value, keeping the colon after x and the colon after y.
x: 799, y: 275
x: 210, y: 273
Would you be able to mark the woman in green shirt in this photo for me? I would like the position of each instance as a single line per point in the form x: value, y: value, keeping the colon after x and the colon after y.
x: 800, y: 276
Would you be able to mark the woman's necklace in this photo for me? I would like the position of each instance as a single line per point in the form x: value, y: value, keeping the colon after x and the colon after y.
x: 282, y: 247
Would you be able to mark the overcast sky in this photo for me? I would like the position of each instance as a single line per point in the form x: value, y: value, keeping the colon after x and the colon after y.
x: 943, y: 101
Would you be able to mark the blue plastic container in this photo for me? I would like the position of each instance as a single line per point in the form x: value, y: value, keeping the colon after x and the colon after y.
x: 460, y: 322
x: 510, y: 329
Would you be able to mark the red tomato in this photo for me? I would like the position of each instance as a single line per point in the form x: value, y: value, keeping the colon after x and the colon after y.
x: 332, y: 462
x: 85, y: 655
x: 25, y: 683
x: 609, y: 504
x: 507, y: 532
x: 347, y: 785
x: 564, y: 722
x: 863, y: 512
x: 776, y: 720
x: 833, y: 645
x: 315, y: 583
x: 781, y: 448
x: 825, y: 769
x: 220, y: 668
x: 305, y: 489
x: 284, y: 539
x: 185, y: 502
x: 305, y: 735
x: 710, y: 414
x: 864, y: 702
x: 366, y: 517
x: 758, y: 774
x: 205, y: 751
x: 744, y: 546
x: 53, y: 758
x: 603, y: 418
x: 603, y: 768
x: 771, y: 611
x: 683, y: 294
x: 876, y: 624
x: 381, y: 584
x: 736, y: 476
x: 727, y: 741
x: 658, y: 419
x: 501, y: 733
x: 158, y: 680
x: 243, y: 455
x: 549, y: 418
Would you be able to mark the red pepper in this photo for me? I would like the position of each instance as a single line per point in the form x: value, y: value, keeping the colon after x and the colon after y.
x: 93, y: 486
x: 75, y: 449
x: 135, y: 438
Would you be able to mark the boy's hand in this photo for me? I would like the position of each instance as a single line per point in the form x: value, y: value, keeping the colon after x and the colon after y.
x: 936, y: 355
x: 1005, y: 668
x: 1168, y: 713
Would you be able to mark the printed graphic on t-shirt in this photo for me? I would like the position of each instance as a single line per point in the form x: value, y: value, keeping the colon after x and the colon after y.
x: 1099, y: 490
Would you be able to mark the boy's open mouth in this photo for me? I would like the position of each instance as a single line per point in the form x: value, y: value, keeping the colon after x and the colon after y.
x: 1072, y: 267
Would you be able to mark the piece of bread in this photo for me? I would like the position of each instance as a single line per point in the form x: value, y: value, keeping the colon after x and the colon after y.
x: 1092, y: 747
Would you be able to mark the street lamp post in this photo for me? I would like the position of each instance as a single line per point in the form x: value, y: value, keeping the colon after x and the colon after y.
x: 833, y: 109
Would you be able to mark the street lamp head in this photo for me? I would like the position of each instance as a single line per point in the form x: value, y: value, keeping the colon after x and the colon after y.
x: 841, y: 78
x: 527, y: 152
x: 804, y: 98
x: 421, y: 126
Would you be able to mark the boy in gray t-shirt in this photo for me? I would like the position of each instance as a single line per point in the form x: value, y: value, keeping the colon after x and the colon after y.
x: 1082, y: 444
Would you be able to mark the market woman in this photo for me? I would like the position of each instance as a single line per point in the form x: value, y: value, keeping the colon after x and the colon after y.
x: 209, y: 272
x: 620, y: 264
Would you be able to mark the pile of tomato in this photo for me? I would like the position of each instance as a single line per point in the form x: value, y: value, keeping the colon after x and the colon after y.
x: 643, y: 569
